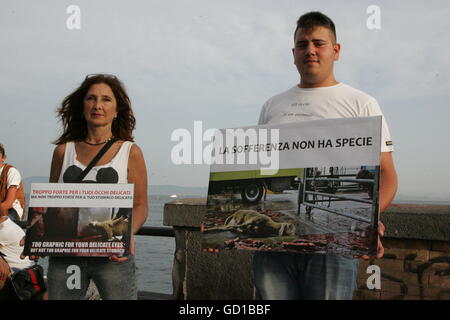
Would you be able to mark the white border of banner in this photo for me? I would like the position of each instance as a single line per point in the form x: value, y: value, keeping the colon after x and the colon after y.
x: 324, y: 134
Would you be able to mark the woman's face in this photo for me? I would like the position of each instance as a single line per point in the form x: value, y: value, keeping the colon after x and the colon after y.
x: 100, y: 105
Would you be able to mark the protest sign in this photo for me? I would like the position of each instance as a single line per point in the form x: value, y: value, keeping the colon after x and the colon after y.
x: 79, y: 219
x: 298, y: 187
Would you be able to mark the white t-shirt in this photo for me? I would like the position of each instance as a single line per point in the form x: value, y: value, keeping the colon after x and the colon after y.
x: 10, y: 236
x: 115, y: 171
x: 14, y: 179
x: 338, y: 101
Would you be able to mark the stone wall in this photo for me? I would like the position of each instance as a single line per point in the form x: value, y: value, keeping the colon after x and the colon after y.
x: 416, y: 264
x: 200, y: 275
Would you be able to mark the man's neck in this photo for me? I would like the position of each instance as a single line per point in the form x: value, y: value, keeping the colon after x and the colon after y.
x: 329, y: 82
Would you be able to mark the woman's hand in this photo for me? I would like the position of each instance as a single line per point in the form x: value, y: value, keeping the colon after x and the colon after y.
x: 22, y: 256
x: 115, y: 258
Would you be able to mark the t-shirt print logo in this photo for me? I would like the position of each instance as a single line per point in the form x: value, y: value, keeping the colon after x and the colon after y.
x: 104, y: 175
x: 300, y: 104
x: 296, y: 114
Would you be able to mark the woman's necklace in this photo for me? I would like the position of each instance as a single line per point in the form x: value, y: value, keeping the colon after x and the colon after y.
x: 97, y: 144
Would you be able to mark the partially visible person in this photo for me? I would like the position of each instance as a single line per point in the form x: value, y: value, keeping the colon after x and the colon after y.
x: 96, y: 112
x: 10, y: 262
x: 12, y: 196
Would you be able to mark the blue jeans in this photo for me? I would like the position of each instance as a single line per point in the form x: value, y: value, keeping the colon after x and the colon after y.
x: 114, y: 280
x: 286, y: 276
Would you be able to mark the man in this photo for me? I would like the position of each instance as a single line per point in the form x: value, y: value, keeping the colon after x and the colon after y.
x: 12, y: 198
x: 319, y: 96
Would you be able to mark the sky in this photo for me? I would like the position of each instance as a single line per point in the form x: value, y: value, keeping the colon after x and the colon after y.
x: 218, y: 61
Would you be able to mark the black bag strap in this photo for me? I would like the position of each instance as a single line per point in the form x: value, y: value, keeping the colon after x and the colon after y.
x: 96, y: 158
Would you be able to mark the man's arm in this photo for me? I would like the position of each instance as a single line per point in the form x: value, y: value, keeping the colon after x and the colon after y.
x: 388, y: 180
x: 388, y: 189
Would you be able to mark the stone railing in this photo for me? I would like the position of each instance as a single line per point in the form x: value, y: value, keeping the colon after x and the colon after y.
x: 416, y: 264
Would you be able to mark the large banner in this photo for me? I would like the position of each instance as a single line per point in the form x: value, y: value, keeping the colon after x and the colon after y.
x: 309, y: 187
x: 79, y: 219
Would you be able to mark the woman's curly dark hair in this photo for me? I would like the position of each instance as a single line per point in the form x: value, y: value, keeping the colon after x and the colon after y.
x: 71, y: 111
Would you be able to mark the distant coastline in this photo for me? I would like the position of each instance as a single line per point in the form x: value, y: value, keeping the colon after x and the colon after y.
x: 203, y: 191
x: 152, y: 189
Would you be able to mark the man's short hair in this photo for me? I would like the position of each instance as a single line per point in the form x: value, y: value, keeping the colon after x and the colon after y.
x: 313, y: 19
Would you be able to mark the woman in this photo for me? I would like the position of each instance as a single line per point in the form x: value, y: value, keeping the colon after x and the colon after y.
x: 10, y: 262
x: 96, y: 112
x: 12, y: 198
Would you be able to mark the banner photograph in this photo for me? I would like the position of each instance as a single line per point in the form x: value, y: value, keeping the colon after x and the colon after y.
x: 67, y: 219
x: 317, y: 194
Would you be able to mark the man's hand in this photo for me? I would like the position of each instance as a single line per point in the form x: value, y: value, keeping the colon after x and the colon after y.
x: 380, y: 248
x: 388, y: 189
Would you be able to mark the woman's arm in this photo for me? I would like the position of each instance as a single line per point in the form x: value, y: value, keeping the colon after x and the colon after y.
x: 14, y: 179
x: 4, y: 272
x: 137, y: 174
x: 57, y: 162
x: 9, y: 200
x: 55, y: 170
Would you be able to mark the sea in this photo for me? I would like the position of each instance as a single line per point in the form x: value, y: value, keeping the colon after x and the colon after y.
x: 154, y: 255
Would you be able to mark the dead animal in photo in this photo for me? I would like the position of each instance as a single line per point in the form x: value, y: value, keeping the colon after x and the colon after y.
x: 253, y: 222
x: 109, y: 229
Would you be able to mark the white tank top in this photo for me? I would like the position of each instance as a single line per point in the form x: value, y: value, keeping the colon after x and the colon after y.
x: 115, y: 171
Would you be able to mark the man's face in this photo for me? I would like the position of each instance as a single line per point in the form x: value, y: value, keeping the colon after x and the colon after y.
x: 314, y: 53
